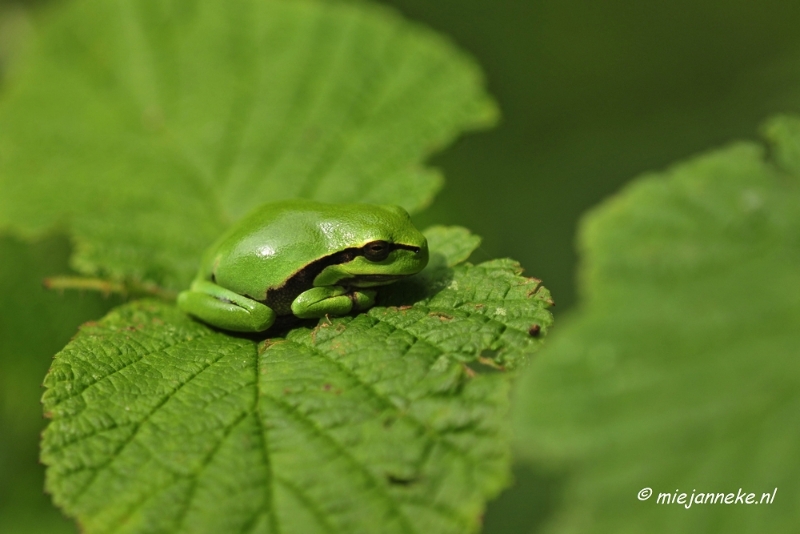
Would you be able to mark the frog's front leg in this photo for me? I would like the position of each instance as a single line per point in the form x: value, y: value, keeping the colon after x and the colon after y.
x: 331, y: 300
x: 223, y: 308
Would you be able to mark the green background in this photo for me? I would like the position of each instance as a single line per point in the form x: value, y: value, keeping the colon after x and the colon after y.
x: 592, y: 94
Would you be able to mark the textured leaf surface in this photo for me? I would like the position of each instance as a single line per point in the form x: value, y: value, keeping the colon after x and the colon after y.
x: 680, y: 372
x: 371, y: 423
x: 147, y: 127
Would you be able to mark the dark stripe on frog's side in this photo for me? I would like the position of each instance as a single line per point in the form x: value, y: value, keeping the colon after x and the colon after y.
x: 280, y: 298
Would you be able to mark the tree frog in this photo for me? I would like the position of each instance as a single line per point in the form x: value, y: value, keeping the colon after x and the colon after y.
x: 303, y: 258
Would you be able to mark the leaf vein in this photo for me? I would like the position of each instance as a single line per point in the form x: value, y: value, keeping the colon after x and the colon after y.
x: 380, y: 488
x: 144, y: 355
x: 137, y: 426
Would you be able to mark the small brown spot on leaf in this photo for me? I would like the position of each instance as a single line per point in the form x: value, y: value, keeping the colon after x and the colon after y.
x: 534, y: 330
x: 265, y: 345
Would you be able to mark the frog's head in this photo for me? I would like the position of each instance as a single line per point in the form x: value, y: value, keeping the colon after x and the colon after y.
x: 385, y: 244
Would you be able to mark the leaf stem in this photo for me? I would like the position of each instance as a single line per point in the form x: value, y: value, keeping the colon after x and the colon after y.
x: 108, y: 287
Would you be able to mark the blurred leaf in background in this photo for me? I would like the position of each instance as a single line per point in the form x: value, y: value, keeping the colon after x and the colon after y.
x: 163, y: 123
x: 594, y: 93
x: 679, y: 371
x: 34, y: 325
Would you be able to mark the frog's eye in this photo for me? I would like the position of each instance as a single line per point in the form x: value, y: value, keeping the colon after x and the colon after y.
x: 377, y: 250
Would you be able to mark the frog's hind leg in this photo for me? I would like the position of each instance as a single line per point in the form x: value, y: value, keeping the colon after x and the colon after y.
x: 225, y: 309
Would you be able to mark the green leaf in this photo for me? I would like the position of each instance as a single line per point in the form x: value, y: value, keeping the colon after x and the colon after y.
x: 453, y: 244
x: 679, y: 372
x: 34, y: 324
x: 147, y: 127
x: 370, y: 423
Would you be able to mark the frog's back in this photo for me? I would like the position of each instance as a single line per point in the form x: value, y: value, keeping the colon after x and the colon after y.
x: 275, y: 242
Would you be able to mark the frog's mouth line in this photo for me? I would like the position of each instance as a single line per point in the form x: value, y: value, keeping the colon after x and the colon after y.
x: 413, y: 249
